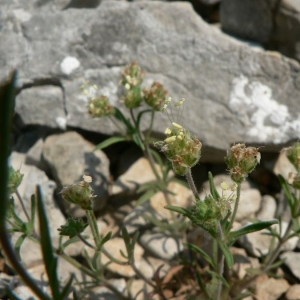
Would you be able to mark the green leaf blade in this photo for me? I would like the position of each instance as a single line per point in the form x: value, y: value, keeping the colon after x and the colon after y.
x: 251, y: 228
x: 110, y: 141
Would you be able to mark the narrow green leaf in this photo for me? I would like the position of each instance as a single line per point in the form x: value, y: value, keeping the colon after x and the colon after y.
x: 110, y: 141
x: 287, y: 191
x: 66, y: 290
x: 126, y: 238
x: 50, y: 260
x: 145, y: 197
x: 70, y: 241
x: 180, y: 210
x: 119, y: 115
x: 75, y: 295
x: 18, y: 244
x: 139, y: 117
x: 105, y: 239
x: 137, y: 140
x: 218, y: 276
x: 227, y: 253
x: 11, y: 294
x: 202, y: 252
x: 213, y: 189
x: 251, y: 228
x: 157, y: 157
x: 147, y: 186
x: 33, y: 210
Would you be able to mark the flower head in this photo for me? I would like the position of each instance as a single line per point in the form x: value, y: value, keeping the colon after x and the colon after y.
x: 14, y: 180
x: 241, y: 161
x: 80, y: 193
x: 100, y: 107
x: 293, y: 155
x: 180, y: 147
x: 155, y: 96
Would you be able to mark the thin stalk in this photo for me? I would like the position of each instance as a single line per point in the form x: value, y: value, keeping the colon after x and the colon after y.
x: 22, y: 204
x: 220, y: 263
x: 94, y: 227
x: 115, y: 291
x: 269, y: 261
x: 192, y: 185
x: 236, y: 205
x: 85, y: 241
x: 120, y: 128
x: 276, y: 252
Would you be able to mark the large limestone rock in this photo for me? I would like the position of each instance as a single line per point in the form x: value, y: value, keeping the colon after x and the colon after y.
x: 235, y: 92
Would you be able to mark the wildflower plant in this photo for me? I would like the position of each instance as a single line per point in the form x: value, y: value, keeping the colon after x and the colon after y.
x: 215, y: 213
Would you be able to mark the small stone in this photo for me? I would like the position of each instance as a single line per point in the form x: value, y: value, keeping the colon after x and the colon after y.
x: 293, y: 292
x: 161, y: 245
x: 268, y: 208
x: 291, y: 260
x: 271, y: 288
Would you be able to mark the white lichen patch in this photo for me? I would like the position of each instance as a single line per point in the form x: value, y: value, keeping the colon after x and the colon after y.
x: 267, y: 120
x: 61, y: 123
x: 69, y: 64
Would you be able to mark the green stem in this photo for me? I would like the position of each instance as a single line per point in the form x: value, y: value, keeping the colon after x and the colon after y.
x: 220, y: 263
x: 94, y: 227
x: 272, y: 257
x: 236, y: 205
x: 22, y: 204
x: 192, y: 185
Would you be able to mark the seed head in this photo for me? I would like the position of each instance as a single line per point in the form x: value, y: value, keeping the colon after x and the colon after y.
x: 241, y: 161
x: 80, y: 193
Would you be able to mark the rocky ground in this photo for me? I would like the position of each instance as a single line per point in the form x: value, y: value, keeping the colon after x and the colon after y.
x: 240, y: 74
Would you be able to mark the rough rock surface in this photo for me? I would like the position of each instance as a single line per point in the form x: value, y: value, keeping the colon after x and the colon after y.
x: 274, y: 23
x: 70, y: 156
x: 228, y: 84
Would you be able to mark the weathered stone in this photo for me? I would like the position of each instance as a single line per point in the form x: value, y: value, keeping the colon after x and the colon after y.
x: 273, y: 23
x: 113, y: 247
x: 271, y: 288
x: 293, y: 292
x: 161, y: 245
x: 154, y: 208
x: 283, y: 166
x: 230, y: 85
x: 268, y: 208
x: 249, y: 204
x: 69, y: 156
x: 48, y: 97
x: 256, y: 242
x: 255, y: 15
x: 139, y: 173
x: 34, y: 155
x: 242, y: 262
x: 291, y: 260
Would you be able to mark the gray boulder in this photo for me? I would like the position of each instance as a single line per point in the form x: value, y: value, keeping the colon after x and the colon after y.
x: 235, y: 92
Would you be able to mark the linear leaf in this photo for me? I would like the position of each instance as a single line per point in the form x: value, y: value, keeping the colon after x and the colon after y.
x: 251, y: 228
x: 287, y: 191
x: 110, y: 141
x: 50, y: 260
x: 213, y: 189
x: 227, y: 253
x: 18, y: 244
x: 202, y: 252
x: 145, y: 197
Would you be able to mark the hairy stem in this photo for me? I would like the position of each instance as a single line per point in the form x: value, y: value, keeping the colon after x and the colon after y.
x: 236, y: 205
x: 94, y: 227
x: 192, y: 185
